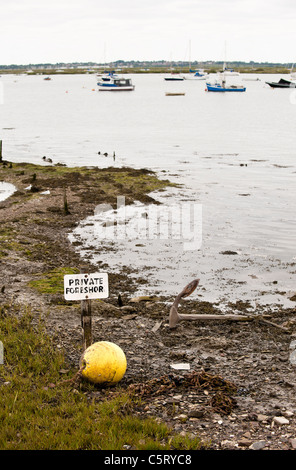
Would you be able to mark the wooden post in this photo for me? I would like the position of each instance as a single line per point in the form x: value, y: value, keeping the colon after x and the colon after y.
x: 0, y: 150
x: 86, y: 320
x: 86, y: 323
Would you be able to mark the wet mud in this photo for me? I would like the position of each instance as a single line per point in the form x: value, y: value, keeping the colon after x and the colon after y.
x: 230, y: 382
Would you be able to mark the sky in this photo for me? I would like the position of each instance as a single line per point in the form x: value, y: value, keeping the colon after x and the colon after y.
x: 52, y: 31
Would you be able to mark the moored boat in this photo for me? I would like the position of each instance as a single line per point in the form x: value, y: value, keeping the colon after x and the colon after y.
x: 174, y: 77
x: 116, y: 84
x: 196, y: 75
x: 108, y: 76
x: 220, y: 86
x: 230, y: 72
x: 282, y: 83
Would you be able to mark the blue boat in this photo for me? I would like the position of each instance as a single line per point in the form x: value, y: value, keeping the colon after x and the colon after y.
x: 222, y: 87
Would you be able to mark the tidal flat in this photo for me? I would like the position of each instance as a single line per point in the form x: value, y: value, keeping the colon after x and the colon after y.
x: 251, y: 356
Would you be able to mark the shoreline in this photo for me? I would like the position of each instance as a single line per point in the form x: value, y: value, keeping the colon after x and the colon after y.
x: 35, y: 254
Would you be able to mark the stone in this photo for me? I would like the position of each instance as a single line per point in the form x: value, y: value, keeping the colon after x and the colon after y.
x: 196, y: 414
x: 181, y: 366
x: 280, y: 420
x: 228, y: 444
x: 293, y: 443
x: 258, y: 445
x: 262, y: 418
x: 244, y: 442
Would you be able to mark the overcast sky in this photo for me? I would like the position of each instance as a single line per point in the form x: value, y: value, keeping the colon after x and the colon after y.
x: 39, y: 31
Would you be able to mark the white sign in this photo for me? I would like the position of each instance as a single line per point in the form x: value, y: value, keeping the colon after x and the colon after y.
x: 86, y: 286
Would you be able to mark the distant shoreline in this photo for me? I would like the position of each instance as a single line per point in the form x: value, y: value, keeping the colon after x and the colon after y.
x: 214, y: 68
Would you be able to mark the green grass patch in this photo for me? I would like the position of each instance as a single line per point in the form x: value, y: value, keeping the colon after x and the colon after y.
x: 53, y: 281
x: 37, y: 412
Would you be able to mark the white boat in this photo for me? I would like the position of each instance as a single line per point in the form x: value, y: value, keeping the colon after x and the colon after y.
x: 116, y: 84
x: 230, y: 72
x: 196, y: 75
x: 107, y: 76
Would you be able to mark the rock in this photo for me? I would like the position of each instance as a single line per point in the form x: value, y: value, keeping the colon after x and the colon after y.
x: 128, y: 308
x: 293, y: 443
x: 280, y: 420
x: 144, y: 298
x: 244, y: 442
x: 258, y: 445
x: 227, y: 444
x: 181, y: 366
x: 262, y: 418
x: 129, y: 317
x: 181, y: 417
x: 196, y: 414
x: 156, y: 326
x: 292, y: 358
x: 288, y: 413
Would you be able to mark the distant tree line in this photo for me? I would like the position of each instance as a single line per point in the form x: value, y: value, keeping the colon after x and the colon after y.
x: 142, y: 64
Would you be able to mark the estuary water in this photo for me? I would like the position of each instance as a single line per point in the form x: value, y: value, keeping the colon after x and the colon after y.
x: 233, y: 156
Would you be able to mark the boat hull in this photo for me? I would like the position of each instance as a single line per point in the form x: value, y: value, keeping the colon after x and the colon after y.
x: 220, y: 89
x: 281, y: 85
x: 116, y: 88
x: 171, y: 79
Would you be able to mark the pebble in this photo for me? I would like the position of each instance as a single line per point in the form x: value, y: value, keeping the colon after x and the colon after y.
x: 280, y: 420
x: 262, y: 418
x: 196, y: 414
x: 257, y: 445
x: 293, y: 443
x: 228, y: 444
x: 181, y: 417
x: 244, y: 442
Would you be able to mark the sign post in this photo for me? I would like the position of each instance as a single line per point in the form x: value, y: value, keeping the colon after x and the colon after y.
x: 84, y: 287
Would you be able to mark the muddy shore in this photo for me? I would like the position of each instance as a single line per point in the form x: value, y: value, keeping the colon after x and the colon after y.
x: 230, y: 382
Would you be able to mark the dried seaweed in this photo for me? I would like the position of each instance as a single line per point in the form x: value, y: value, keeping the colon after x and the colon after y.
x: 194, y: 380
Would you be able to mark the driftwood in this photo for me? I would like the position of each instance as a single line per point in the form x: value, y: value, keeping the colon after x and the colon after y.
x: 176, y: 317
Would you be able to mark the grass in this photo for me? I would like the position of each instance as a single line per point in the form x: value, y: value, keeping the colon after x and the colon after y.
x: 53, y: 281
x: 92, y: 185
x: 38, y: 413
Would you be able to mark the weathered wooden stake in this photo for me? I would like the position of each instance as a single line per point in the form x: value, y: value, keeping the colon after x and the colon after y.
x: 66, y: 207
x: 86, y: 323
x: 0, y: 150
x: 86, y: 320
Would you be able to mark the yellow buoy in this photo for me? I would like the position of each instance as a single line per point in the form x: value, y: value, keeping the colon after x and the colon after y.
x: 103, y: 363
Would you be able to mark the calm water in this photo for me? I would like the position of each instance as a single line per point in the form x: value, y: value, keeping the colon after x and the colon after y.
x: 234, y: 155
